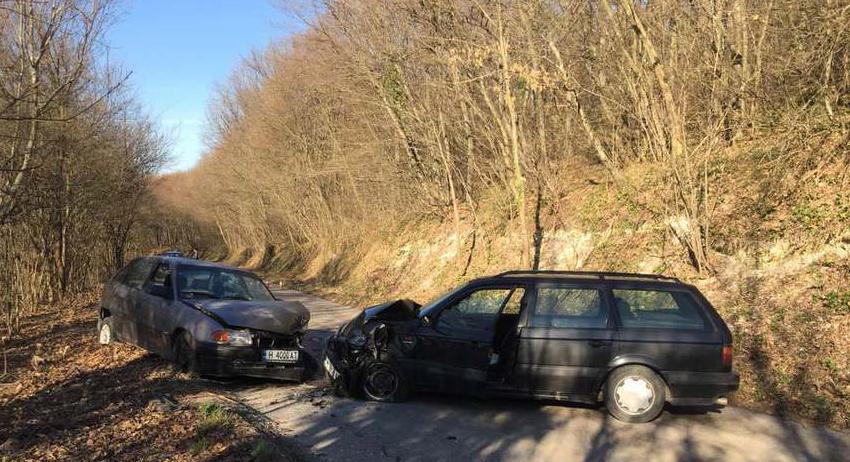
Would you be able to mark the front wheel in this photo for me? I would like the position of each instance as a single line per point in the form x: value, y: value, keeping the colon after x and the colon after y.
x: 635, y: 394
x: 384, y: 381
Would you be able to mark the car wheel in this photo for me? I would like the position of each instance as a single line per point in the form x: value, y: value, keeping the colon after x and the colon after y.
x: 384, y: 381
x: 105, y: 332
x: 184, y: 354
x: 635, y: 394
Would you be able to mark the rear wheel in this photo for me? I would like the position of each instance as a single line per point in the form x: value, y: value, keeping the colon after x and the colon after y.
x: 184, y: 354
x: 635, y: 394
x: 384, y: 381
x: 105, y: 333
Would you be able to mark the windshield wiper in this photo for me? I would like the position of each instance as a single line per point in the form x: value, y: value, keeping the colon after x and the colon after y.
x: 198, y: 292
x: 237, y: 297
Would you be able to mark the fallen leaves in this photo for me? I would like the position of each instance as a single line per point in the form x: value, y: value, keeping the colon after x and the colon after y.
x: 69, y: 398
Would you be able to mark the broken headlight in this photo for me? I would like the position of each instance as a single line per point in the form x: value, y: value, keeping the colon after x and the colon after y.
x: 231, y: 337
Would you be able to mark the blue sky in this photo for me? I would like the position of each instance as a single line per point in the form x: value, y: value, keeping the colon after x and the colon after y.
x: 179, y: 49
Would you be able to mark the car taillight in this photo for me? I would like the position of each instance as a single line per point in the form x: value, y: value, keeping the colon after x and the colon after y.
x: 727, y: 355
x: 220, y: 336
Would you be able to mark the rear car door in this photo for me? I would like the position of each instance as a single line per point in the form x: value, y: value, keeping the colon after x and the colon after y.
x: 133, y: 328
x: 668, y: 327
x: 454, y: 352
x: 566, y: 339
x: 155, y: 313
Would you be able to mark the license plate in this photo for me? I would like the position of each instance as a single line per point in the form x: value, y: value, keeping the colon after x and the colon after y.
x: 280, y: 356
x: 329, y: 367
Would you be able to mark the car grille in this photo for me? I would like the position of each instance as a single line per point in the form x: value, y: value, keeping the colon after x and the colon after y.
x: 268, y: 340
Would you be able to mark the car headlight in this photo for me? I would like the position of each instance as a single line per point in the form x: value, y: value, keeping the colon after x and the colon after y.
x: 231, y: 337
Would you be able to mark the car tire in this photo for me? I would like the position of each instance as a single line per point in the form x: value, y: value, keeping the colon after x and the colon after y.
x: 635, y: 394
x: 383, y: 381
x: 185, y: 359
x: 105, y: 331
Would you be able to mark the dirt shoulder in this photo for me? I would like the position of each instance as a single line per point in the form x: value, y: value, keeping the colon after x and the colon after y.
x: 65, y: 397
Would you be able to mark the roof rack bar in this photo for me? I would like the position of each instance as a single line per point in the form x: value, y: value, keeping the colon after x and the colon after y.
x: 598, y: 274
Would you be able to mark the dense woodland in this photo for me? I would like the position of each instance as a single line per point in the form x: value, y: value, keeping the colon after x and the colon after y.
x: 76, y: 154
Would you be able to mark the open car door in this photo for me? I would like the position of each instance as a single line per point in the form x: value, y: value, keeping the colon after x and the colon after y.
x: 455, y: 350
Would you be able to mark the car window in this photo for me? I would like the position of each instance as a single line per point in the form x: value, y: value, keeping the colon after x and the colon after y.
x: 478, y: 310
x: 122, y: 273
x: 657, y: 309
x: 562, y: 308
x: 161, y: 277
x: 514, y: 304
x: 197, y: 282
x: 138, y: 273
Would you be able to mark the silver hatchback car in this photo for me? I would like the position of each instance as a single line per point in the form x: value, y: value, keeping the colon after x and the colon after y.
x: 208, y: 318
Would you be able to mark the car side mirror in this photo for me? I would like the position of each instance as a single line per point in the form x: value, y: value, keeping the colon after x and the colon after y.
x: 161, y: 291
x: 426, y: 321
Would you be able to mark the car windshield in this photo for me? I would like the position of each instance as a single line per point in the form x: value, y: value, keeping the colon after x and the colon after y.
x: 198, y: 282
x: 426, y: 310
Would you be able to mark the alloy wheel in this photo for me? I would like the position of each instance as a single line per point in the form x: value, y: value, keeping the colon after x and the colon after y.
x: 105, y: 334
x: 634, y: 395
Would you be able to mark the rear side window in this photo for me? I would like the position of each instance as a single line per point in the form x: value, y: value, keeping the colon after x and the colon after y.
x: 565, y: 308
x: 657, y: 309
x: 137, y: 273
x: 161, y: 277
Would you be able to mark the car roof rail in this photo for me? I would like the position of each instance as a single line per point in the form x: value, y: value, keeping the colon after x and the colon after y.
x: 594, y: 274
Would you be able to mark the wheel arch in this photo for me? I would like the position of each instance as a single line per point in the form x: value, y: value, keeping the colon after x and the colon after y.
x: 632, y: 360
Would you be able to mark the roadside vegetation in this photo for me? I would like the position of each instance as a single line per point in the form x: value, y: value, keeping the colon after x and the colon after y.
x: 398, y: 147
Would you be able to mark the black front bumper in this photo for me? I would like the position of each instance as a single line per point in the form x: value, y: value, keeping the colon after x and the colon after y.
x: 246, y: 361
x: 335, y: 366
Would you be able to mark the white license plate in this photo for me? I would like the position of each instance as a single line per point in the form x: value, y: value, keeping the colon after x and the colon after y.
x: 330, y: 368
x: 280, y: 356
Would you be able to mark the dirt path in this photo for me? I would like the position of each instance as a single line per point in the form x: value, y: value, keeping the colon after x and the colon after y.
x: 434, y: 427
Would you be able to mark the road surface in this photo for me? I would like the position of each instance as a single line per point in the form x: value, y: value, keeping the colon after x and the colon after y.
x: 446, y: 428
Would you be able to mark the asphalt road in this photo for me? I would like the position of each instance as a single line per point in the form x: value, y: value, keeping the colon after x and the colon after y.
x: 437, y: 427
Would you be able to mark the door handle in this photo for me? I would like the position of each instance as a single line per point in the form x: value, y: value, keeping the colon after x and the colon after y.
x: 599, y: 343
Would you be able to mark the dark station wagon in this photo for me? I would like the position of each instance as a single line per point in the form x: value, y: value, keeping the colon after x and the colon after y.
x: 633, y: 341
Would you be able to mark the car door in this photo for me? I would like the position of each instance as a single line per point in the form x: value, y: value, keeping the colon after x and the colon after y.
x: 565, y: 340
x: 132, y: 327
x: 155, y: 312
x: 667, y: 327
x: 453, y: 351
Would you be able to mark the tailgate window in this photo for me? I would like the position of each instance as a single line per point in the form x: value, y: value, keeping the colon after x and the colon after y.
x: 657, y: 309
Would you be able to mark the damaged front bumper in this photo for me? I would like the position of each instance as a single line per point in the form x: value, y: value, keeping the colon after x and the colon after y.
x: 336, y: 366
x: 246, y: 361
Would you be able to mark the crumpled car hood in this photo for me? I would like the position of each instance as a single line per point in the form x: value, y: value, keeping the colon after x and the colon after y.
x: 397, y: 310
x: 282, y: 317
